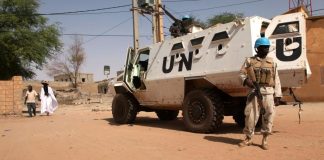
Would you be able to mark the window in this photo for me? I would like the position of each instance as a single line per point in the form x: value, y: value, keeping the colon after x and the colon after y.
x: 144, y: 55
x: 283, y: 28
x: 197, y: 41
x: 177, y: 46
x: 83, y: 79
x: 220, y: 36
x: 143, y: 59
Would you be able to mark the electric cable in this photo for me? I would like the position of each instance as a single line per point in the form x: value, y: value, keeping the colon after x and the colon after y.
x: 108, y: 30
x: 316, y: 10
x: 95, y: 13
x: 102, y: 35
x: 84, y: 11
x: 223, y: 6
x: 180, y: 1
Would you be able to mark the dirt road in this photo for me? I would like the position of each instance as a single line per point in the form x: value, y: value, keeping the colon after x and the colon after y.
x: 82, y: 132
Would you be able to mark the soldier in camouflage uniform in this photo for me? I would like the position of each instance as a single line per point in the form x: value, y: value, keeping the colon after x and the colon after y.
x: 260, y: 70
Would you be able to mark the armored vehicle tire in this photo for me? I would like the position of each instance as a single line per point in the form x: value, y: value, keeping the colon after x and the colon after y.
x: 202, y: 111
x: 167, y: 115
x: 124, y: 108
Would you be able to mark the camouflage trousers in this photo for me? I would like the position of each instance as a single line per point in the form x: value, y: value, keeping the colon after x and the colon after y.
x: 252, y: 113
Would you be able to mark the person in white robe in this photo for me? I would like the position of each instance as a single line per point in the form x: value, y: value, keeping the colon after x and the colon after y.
x: 48, y: 101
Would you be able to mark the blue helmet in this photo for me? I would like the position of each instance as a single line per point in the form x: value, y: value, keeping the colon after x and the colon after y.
x: 185, y: 17
x: 262, y: 42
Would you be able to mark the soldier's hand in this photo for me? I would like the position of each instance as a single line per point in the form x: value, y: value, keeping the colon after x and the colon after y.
x: 248, y: 82
x: 277, y: 101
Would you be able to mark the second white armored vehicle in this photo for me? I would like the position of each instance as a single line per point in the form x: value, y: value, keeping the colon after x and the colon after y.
x: 199, y: 73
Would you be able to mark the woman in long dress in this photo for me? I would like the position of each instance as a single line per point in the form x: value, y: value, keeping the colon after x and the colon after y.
x: 48, y: 101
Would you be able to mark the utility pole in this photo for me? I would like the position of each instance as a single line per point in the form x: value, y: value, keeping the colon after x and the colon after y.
x: 157, y: 16
x: 298, y: 3
x: 135, y: 26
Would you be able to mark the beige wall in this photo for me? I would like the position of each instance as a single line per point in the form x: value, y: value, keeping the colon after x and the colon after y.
x: 11, y: 96
x: 84, y: 87
x: 314, y: 89
x: 87, y: 77
x: 89, y: 87
x: 55, y: 85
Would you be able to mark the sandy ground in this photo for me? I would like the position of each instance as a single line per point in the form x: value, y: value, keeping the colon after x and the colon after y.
x: 88, y: 132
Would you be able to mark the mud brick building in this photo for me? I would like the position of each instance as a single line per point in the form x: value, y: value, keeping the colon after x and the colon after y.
x: 81, y: 78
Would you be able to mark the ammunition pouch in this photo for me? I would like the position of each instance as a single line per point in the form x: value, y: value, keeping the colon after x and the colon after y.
x: 261, y: 72
x: 264, y: 76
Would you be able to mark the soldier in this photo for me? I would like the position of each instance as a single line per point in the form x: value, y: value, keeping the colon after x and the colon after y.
x: 181, y: 27
x: 260, y: 74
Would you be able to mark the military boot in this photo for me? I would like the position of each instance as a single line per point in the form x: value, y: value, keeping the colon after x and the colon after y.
x: 265, y: 145
x: 246, y: 142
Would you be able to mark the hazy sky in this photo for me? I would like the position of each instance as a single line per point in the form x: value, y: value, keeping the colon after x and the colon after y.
x: 107, y: 50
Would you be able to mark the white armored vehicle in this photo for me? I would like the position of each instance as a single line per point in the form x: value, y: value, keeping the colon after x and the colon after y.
x: 198, y: 73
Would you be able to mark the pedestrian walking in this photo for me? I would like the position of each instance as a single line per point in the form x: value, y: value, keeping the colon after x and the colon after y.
x: 48, y: 101
x: 30, y: 100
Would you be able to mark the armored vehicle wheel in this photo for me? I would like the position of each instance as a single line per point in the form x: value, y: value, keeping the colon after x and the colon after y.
x: 202, y: 111
x: 124, y: 108
x: 167, y: 115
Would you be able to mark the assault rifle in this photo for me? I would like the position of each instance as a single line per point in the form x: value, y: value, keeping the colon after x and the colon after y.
x: 179, y: 27
x: 256, y: 87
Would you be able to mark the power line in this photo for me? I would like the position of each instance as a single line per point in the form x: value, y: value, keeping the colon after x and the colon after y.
x: 84, y: 11
x: 316, y: 10
x: 96, y: 13
x: 223, y: 6
x: 180, y: 1
x: 108, y: 30
x: 102, y: 35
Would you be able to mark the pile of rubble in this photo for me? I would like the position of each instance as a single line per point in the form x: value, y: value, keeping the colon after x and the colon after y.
x: 75, y: 96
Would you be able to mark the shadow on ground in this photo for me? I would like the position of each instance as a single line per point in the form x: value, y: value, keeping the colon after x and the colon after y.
x: 153, y: 122
x: 223, y: 139
x: 27, y: 112
x: 175, y: 125
x: 228, y: 140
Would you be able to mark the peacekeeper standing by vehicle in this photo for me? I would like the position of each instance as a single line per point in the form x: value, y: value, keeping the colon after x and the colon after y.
x: 260, y: 74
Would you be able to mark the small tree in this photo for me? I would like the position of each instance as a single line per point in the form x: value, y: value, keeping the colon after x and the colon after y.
x: 224, y: 18
x: 198, y: 22
x: 26, y: 40
x: 71, y: 63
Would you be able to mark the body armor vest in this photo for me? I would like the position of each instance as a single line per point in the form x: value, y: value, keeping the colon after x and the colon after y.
x: 263, y: 70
